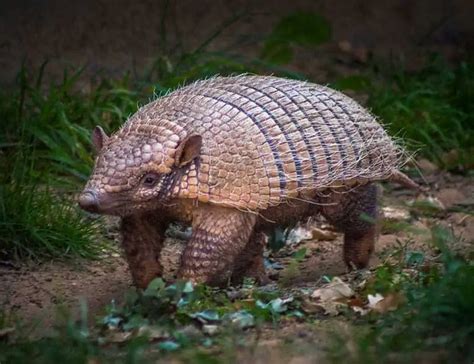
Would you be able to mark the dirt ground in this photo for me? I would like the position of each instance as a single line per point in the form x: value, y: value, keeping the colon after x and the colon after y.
x: 34, y: 292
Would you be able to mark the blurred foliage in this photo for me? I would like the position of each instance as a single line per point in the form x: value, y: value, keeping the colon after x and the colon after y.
x: 49, y: 125
x: 434, y: 107
x: 302, y: 29
x: 431, y: 110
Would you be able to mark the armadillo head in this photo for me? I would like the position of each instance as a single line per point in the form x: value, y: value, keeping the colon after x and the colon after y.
x: 137, y: 171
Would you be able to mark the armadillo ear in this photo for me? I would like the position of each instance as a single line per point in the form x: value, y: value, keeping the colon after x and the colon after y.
x: 98, y: 138
x: 187, y: 150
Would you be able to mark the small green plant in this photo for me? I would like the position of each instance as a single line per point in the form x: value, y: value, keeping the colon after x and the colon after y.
x: 182, y: 302
x: 36, y: 223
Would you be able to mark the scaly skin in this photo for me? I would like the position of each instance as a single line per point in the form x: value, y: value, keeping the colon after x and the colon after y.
x: 219, y: 237
x: 230, y: 154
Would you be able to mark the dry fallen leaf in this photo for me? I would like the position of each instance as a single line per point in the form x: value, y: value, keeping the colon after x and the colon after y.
x: 332, y: 291
x: 331, y: 308
x: 322, y: 234
x: 377, y: 303
x: 373, y: 300
x: 329, y: 298
x: 389, y: 303
x: 396, y: 213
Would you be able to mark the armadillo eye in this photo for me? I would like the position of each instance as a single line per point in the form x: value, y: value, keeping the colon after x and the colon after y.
x: 150, y: 179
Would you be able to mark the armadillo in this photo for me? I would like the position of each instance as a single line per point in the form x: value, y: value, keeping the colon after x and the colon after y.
x: 233, y: 156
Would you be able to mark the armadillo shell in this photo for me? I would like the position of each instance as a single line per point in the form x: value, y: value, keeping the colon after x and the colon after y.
x: 267, y: 140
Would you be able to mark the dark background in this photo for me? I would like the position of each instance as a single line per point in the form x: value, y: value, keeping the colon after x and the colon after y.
x: 110, y: 37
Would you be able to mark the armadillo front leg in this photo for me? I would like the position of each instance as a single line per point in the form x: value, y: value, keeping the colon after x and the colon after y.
x: 356, y: 214
x: 142, y: 240
x: 219, y: 236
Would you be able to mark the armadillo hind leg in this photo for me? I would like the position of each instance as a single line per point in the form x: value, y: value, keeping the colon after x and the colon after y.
x: 142, y: 240
x: 355, y: 213
x: 219, y: 236
x: 250, y: 263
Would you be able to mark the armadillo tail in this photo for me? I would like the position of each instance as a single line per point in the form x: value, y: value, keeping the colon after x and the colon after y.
x: 402, y: 179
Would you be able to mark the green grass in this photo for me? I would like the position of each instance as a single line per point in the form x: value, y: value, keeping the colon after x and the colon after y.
x: 45, y: 157
x: 37, y: 223
x: 50, y: 124
x: 432, y: 108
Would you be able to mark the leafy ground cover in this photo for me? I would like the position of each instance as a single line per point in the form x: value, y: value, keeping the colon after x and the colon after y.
x: 409, y: 306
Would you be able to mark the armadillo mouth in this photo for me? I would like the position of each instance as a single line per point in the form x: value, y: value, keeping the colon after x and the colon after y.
x: 102, y: 203
x: 124, y: 207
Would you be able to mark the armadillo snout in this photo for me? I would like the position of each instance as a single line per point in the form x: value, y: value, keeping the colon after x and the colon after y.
x: 88, y: 201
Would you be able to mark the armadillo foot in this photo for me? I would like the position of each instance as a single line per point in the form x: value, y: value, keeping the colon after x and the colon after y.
x: 219, y: 236
x: 142, y: 240
x: 358, y: 248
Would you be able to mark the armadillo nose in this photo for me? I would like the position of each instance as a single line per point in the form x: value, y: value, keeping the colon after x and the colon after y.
x: 88, y: 201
